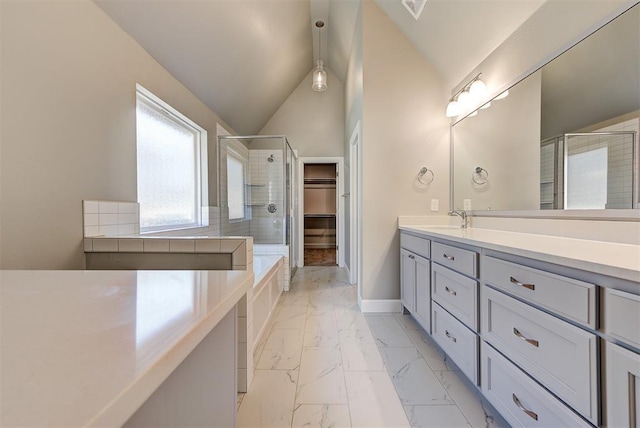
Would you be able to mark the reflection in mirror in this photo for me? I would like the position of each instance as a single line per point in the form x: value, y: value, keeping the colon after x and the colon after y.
x: 566, y: 137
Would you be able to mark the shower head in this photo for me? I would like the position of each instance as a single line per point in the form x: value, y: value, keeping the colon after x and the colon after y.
x: 270, y: 158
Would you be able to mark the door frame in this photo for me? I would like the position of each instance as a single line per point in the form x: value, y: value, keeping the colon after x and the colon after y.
x: 339, y: 162
x: 355, y: 204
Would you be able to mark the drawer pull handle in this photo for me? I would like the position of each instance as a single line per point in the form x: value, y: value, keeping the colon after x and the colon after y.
x: 529, y: 286
x: 529, y: 413
x: 446, y: 332
x: 450, y: 291
x: 526, y: 339
x: 411, y: 256
x: 448, y: 257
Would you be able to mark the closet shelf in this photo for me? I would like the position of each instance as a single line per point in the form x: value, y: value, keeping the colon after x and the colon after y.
x: 319, y: 215
x: 320, y: 181
x: 255, y: 184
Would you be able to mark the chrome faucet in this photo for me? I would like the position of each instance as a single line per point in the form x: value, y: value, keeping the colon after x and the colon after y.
x: 463, y: 216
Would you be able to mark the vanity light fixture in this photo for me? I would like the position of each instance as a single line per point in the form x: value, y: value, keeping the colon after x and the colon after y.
x: 472, y: 91
x: 319, y: 74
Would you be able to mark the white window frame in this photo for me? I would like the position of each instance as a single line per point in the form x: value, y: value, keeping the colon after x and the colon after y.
x: 237, y: 156
x: 201, y: 183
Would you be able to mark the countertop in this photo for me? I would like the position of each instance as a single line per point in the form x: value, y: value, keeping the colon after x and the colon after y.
x: 608, y: 258
x: 88, y: 347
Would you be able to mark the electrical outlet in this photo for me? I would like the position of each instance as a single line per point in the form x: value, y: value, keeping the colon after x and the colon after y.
x: 466, y: 204
x: 435, y: 203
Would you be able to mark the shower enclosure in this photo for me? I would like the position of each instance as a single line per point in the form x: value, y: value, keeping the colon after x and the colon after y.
x: 591, y: 170
x: 257, y: 195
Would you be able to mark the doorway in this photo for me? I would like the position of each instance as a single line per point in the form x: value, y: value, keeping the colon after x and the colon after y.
x: 321, y: 216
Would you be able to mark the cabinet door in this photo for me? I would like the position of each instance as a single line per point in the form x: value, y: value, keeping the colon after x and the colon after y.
x: 423, y: 293
x: 623, y: 387
x: 408, y: 280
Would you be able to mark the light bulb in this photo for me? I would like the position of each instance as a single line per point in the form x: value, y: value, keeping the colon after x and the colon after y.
x: 478, y: 89
x: 463, y: 100
x: 453, y: 108
x: 503, y: 95
x: 319, y: 78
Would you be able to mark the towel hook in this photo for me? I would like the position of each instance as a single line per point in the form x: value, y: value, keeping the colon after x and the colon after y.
x: 480, y: 176
x: 423, y: 171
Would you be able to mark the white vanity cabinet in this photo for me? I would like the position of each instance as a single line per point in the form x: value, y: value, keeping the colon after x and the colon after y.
x: 415, y: 278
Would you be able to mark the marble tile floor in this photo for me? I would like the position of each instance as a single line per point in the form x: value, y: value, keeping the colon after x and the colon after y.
x: 325, y: 364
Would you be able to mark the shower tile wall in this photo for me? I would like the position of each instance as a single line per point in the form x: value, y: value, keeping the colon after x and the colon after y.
x: 266, y: 186
x: 620, y: 161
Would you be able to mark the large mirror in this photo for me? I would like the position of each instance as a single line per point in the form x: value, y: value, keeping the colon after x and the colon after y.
x: 566, y: 137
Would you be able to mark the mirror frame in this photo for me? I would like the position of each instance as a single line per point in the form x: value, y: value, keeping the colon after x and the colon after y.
x: 603, y: 214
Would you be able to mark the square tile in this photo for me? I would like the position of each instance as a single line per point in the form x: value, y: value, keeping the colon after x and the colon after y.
x: 92, y: 231
x: 414, y: 381
x: 87, y: 245
x: 282, y: 350
x: 127, y: 207
x: 91, y: 207
x: 91, y: 219
x: 387, y: 331
x: 182, y: 245
x: 156, y: 245
x: 436, y: 416
x: 207, y: 245
x: 321, y: 415
x: 373, y: 401
x: 108, y: 219
x: 270, y: 400
x: 130, y: 245
x: 108, y: 207
x: 321, y: 377
x: 105, y: 245
x: 109, y: 230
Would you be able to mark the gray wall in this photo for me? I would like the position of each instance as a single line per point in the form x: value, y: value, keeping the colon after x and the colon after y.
x: 68, y: 125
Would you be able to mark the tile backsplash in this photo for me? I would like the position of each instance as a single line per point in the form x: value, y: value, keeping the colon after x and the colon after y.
x: 110, y: 218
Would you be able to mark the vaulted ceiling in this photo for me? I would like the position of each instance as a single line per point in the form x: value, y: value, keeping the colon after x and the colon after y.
x: 243, y: 58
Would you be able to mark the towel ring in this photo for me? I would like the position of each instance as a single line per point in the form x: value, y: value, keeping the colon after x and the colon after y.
x: 423, y: 171
x: 480, y: 176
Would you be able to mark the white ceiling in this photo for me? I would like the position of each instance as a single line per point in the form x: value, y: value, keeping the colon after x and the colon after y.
x: 243, y: 58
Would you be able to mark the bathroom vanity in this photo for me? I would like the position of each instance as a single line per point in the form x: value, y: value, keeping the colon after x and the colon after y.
x: 116, y: 348
x: 546, y: 327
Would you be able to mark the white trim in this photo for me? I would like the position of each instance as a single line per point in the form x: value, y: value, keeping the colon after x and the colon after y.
x: 339, y: 161
x: 377, y: 306
x: 355, y: 229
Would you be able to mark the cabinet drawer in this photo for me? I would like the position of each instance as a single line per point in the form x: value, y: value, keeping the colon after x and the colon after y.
x: 622, y: 316
x: 417, y: 245
x: 518, y: 398
x: 623, y: 387
x: 456, y: 293
x: 559, y: 355
x: 464, y: 261
x: 570, y: 298
x: 460, y: 343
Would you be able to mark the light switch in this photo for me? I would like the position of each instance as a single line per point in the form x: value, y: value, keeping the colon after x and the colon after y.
x: 466, y: 204
x: 435, y: 204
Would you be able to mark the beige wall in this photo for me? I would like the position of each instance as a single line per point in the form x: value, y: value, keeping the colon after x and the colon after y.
x: 404, y: 128
x: 312, y: 121
x: 68, y: 125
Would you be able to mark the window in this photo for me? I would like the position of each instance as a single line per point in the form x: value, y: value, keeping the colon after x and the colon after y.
x: 587, y: 179
x: 169, y: 154
x: 235, y: 185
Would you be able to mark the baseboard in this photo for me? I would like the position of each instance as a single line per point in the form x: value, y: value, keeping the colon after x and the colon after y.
x: 372, y: 306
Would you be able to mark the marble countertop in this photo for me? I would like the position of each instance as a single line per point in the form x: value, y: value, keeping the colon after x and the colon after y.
x: 89, y: 347
x: 608, y: 258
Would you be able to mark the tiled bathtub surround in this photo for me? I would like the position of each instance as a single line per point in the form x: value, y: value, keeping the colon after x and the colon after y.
x: 109, y: 218
x: 240, y: 248
x: 273, y: 249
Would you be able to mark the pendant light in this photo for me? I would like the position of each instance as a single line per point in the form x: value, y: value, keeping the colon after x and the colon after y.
x: 319, y: 74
